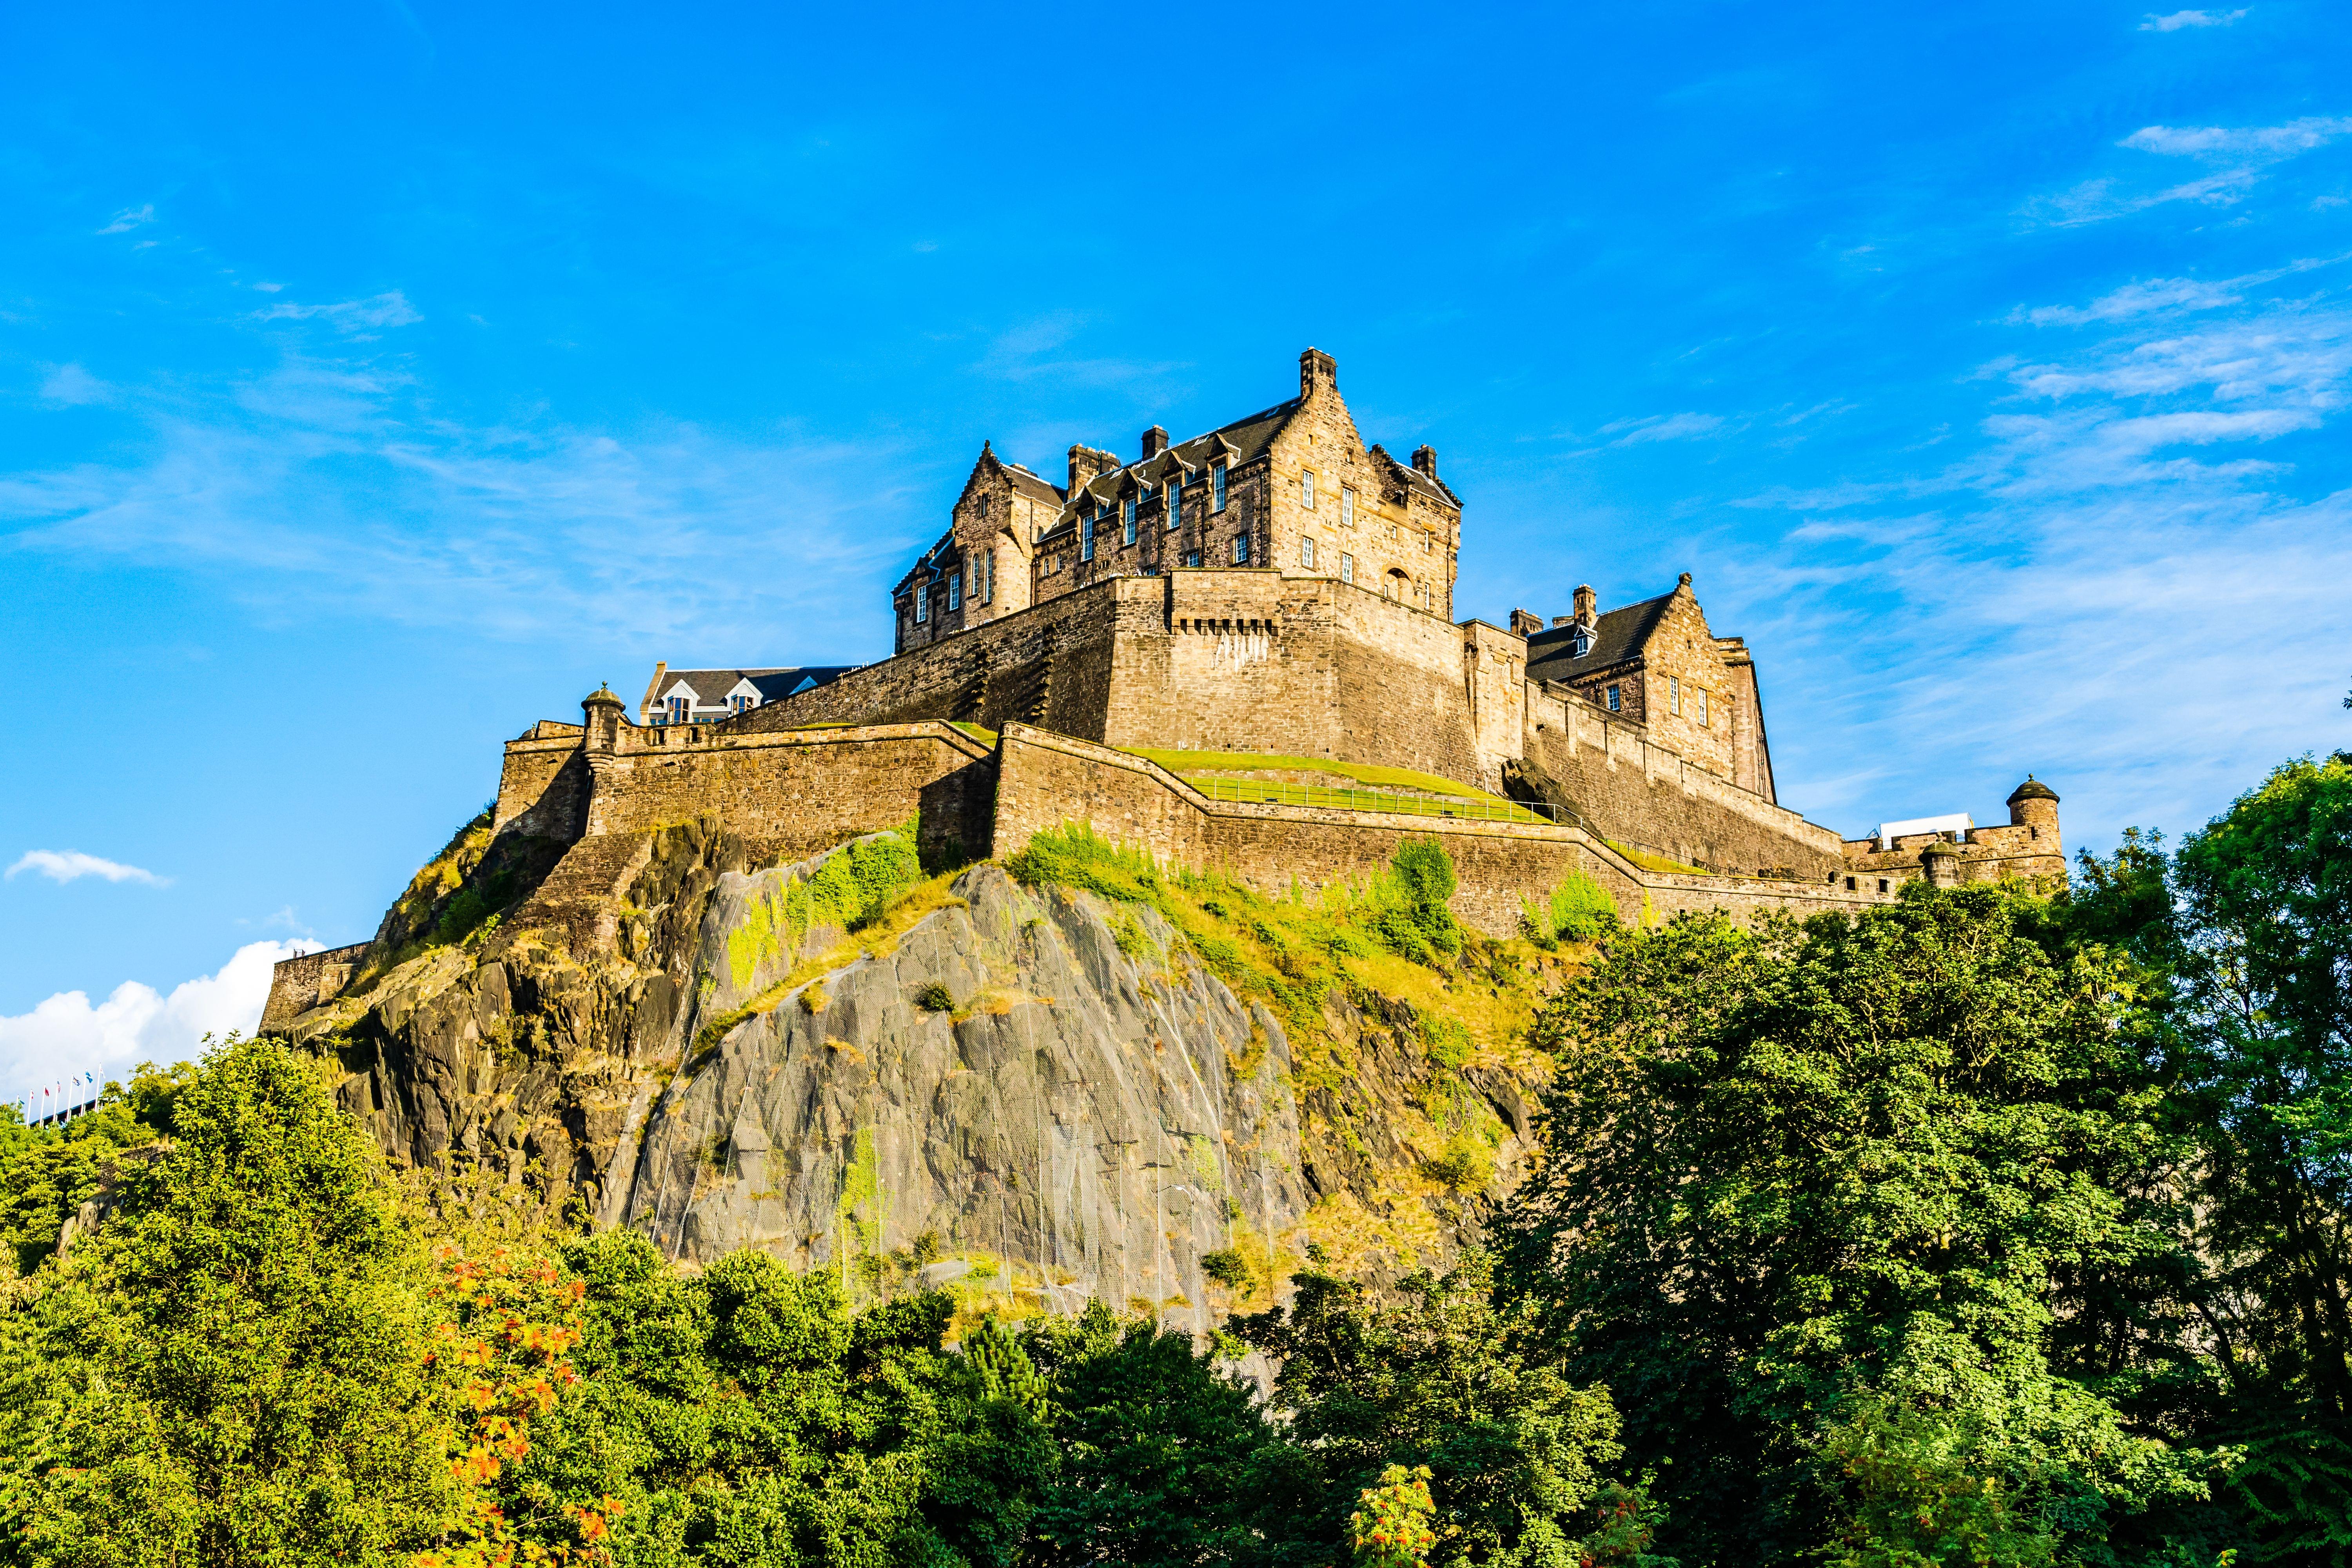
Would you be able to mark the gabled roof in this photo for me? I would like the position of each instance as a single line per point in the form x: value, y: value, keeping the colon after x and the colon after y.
x: 1240, y: 442
x: 1619, y: 635
x: 710, y: 687
x: 1030, y: 486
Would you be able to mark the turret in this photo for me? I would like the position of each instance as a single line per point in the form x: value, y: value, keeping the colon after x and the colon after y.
x: 2033, y: 804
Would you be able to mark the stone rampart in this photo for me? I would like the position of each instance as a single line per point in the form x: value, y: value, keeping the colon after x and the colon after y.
x: 1044, y: 781
x: 299, y: 984
x: 1644, y: 795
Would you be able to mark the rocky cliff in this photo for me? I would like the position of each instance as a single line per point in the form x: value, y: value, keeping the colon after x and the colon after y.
x: 1033, y: 1094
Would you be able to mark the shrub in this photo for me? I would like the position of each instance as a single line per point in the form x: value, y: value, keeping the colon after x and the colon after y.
x: 935, y: 998
x: 1226, y: 1268
x: 1578, y: 909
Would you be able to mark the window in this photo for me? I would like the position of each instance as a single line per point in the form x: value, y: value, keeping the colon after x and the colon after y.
x: 1698, y: 695
x: 922, y: 604
x: 1086, y: 540
x: 1306, y: 554
x: 1579, y: 646
x: 1192, y: 558
x: 1849, y: 884
x: 740, y: 703
x: 1616, y: 704
x: 1347, y: 567
x: 1217, y: 488
x: 955, y: 592
x: 1674, y: 694
x: 986, y: 580
x: 1241, y: 549
x: 1175, y: 504
x: 1307, y: 489
x: 1346, y: 507
x: 1882, y: 884
x: 1428, y: 542
x: 1127, y: 521
x: 677, y: 711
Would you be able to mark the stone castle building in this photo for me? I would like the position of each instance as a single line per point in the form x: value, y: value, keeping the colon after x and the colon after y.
x: 1276, y: 588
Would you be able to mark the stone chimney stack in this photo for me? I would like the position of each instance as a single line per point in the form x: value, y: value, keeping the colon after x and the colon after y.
x: 1424, y: 460
x: 1527, y: 623
x: 1587, y: 606
x: 1085, y: 463
x: 1155, y: 441
x: 1315, y: 368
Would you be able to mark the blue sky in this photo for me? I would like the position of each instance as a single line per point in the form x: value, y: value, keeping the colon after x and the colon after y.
x: 375, y: 380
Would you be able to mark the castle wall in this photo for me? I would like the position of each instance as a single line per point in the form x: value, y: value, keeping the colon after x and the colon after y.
x: 1642, y: 793
x: 1044, y: 781
x: 797, y: 793
x: 299, y: 984
x: 542, y: 783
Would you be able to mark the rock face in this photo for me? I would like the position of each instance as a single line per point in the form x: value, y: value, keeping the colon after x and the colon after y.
x: 1097, y: 1118
x: 1033, y: 1096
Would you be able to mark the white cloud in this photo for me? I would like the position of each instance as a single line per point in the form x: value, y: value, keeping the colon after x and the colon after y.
x: 332, y: 484
x: 129, y: 219
x: 70, y: 864
x: 1661, y: 427
x: 2179, y: 20
x: 2118, y: 584
x: 68, y: 1035
x: 71, y: 384
x: 2266, y: 143
x: 390, y: 308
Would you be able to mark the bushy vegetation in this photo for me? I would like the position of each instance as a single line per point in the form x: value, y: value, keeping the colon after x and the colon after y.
x: 1578, y: 910
x: 1979, y: 1229
x: 1287, y: 949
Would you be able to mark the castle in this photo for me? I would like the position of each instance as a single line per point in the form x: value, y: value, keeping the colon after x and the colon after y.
x: 1237, y: 650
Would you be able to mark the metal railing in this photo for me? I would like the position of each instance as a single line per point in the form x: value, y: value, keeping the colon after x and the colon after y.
x: 1363, y: 797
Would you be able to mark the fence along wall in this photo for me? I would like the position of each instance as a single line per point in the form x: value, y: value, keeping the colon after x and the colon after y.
x: 1046, y: 781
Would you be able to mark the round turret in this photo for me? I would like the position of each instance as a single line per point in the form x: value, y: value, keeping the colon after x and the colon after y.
x: 602, y: 697
x: 2035, y: 802
x: 1940, y: 863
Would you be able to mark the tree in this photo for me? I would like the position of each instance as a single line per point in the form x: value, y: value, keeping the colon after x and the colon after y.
x: 1441, y: 1382
x: 1810, y: 1187
x: 1165, y: 1458
x: 232, y: 1371
x: 2262, y: 1051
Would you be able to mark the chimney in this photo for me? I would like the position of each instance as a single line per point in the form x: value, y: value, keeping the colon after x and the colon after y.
x: 1155, y: 441
x: 1525, y: 623
x: 1085, y: 463
x: 1588, y: 606
x: 1559, y: 621
x: 1424, y: 460
x: 1315, y: 368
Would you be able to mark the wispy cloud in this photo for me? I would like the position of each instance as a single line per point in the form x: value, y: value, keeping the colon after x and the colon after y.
x: 1038, y: 348
x: 377, y: 311
x: 331, y: 486
x: 68, y: 1035
x: 71, y: 384
x: 1663, y: 427
x: 2088, y: 589
x: 2237, y: 157
x: 2179, y: 20
x: 72, y: 865
x: 129, y: 219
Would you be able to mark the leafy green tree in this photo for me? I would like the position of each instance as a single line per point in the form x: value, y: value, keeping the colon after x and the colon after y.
x: 1517, y: 1453
x: 231, y: 1372
x: 1808, y: 1186
x: 2262, y: 1055
x: 747, y: 1416
x: 1166, y: 1459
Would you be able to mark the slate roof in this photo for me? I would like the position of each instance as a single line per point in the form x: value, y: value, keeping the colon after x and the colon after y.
x: 710, y: 687
x: 1619, y: 636
x: 1238, y: 443
x: 1030, y: 486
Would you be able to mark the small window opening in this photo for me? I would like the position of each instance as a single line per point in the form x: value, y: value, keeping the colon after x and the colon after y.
x: 1615, y: 703
x: 1307, y: 489
x: 1217, y: 488
x: 1306, y: 554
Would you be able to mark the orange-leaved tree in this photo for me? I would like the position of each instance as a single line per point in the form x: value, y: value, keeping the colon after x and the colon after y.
x: 508, y: 1322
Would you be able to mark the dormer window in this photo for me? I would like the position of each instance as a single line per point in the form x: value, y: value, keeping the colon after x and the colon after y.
x: 678, y: 710
x: 741, y: 703
x: 1579, y: 646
